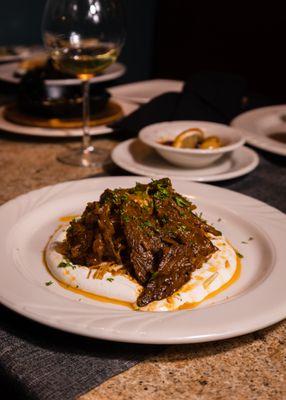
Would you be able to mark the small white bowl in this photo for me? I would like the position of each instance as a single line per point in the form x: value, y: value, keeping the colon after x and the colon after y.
x: 154, y: 135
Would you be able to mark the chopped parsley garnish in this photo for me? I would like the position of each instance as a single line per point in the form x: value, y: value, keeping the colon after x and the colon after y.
x: 239, y: 254
x: 115, y: 196
x: 178, y: 295
x: 139, y: 188
x: 154, y: 274
x: 49, y: 283
x: 161, y: 194
x: 66, y: 264
x: 180, y: 201
x: 110, y: 279
x: 248, y: 240
x: 145, y: 224
x: 200, y: 216
x: 126, y: 218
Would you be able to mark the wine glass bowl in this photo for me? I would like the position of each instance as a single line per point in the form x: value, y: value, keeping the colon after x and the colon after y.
x: 83, y: 38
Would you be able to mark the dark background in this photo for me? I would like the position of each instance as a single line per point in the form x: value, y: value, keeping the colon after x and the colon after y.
x: 175, y: 39
x: 20, y: 23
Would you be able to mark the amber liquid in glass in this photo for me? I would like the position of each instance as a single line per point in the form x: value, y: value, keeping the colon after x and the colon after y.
x: 84, y: 62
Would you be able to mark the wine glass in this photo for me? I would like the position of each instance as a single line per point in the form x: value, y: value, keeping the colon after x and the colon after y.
x: 83, y: 38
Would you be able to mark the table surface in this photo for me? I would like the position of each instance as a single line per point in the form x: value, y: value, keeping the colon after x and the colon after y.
x: 248, y: 367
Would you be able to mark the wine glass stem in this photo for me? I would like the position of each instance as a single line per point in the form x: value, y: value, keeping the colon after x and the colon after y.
x: 87, y: 147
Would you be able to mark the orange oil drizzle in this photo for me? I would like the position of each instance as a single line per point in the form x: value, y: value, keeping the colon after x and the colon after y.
x: 234, y: 278
x: 92, y: 296
x: 68, y: 218
x: 103, y: 299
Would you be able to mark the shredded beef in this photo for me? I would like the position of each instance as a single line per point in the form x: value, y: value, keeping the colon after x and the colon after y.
x: 150, y: 229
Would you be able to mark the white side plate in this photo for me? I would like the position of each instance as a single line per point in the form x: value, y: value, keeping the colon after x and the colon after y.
x: 143, y: 92
x: 136, y: 157
x: 260, y: 123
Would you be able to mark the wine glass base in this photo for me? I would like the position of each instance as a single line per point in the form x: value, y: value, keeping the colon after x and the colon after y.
x: 93, y: 158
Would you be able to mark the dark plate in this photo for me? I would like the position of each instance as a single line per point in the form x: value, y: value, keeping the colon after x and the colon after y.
x: 56, y: 101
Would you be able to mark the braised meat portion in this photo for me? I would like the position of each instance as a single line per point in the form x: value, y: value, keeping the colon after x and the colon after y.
x: 150, y: 229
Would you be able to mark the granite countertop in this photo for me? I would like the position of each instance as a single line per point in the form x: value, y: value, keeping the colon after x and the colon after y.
x: 251, y: 367
x: 248, y: 367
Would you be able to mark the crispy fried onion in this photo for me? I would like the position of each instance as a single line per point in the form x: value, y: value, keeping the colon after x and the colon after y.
x: 98, y: 271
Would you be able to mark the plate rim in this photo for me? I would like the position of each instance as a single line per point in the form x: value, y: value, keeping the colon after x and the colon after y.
x: 252, y: 137
x: 70, y: 81
x: 143, y: 99
x: 112, y: 334
x: 7, y: 126
x: 22, y: 52
x: 213, y: 178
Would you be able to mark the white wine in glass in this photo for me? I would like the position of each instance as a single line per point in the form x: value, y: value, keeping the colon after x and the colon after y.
x: 83, y: 38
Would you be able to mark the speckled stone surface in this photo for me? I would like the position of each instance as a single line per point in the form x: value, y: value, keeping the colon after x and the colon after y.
x: 30, y: 164
x: 251, y: 367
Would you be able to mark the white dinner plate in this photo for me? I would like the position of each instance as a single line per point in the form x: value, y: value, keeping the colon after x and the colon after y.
x: 256, y: 300
x: 12, y: 127
x: 262, y: 122
x: 144, y: 91
x: 136, y: 157
x: 7, y: 73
